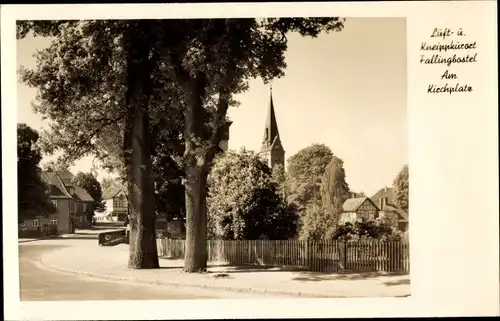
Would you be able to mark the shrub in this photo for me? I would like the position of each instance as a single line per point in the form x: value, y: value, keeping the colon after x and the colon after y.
x: 368, y: 229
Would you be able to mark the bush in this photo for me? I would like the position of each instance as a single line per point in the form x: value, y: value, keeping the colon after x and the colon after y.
x: 243, y: 202
x: 30, y: 233
x: 369, y: 229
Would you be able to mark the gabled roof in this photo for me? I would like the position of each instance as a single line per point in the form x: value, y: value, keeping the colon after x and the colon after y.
x: 402, y: 214
x: 56, y: 186
x: 111, y: 192
x: 390, y: 206
x: 352, y: 204
x: 60, y: 181
x: 384, y: 192
x: 82, y: 194
x: 66, y: 177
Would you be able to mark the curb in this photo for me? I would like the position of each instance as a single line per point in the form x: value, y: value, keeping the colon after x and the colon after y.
x: 34, y: 240
x: 175, y: 283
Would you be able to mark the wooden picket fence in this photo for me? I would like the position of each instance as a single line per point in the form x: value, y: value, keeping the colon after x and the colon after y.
x: 318, y: 256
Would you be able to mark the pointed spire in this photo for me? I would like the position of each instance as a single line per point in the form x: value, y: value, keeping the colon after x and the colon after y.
x: 271, y: 105
x: 271, y: 133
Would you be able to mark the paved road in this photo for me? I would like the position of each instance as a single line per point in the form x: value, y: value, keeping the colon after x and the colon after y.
x: 42, y: 284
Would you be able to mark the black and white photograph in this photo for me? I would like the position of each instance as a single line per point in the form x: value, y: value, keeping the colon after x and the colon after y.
x: 225, y: 157
x: 230, y: 157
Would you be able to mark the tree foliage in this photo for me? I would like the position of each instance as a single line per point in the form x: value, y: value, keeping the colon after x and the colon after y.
x: 90, y: 84
x: 89, y: 182
x: 33, y: 198
x: 108, y: 182
x: 97, y: 76
x: 304, y: 174
x: 168, y: 169
x: 243, y: 202
x: 279, y: 178
x: 334, y: 190
x: 55, y: 165
x: 314, y: 223
x: 223, y: 54
x: 402, y: 185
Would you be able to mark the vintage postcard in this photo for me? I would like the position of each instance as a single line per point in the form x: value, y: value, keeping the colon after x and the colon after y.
x: 301, y: 160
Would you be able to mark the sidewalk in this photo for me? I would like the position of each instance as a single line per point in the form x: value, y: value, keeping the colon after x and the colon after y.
x: 86, y: 258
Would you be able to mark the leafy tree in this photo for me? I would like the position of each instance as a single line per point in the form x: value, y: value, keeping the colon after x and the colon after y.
x: 304, y: 175
x: 314, y: 223
x: 168, y: 169
x: 334, y: 191
x: 33, y: 199
x: 243, y: 202
x: 223, y: 53
x: 401, y: 184
x: 288, y: 228
x: 55, y: 165
x: 88, y: 182
x: 94, y: 77
x: 279, y: 178
x: 107, y: 182
x: 98, y: 73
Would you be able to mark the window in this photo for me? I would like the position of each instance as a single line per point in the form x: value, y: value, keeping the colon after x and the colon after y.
x: 119, y: 201
x: 36, y: 223
x: 54, y: 202
x: 53, y: 221
x: 84, y: 207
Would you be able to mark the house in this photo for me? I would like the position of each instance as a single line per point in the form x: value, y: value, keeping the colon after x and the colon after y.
x: 116, y: 201
x: 356, y: 209
x: 386, y: 200
x: 72, y: 202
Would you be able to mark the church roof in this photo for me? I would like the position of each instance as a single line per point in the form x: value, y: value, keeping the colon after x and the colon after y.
x: 271, y: 139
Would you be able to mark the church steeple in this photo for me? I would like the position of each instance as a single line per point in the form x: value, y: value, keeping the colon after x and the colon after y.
x: 272, y: 149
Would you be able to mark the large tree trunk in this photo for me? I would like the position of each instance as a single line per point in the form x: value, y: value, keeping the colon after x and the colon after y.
x: 137, y: 151
x: 195, y: 182
x: 198, y: 156
x: 143, y: 250
x: 196, y: 220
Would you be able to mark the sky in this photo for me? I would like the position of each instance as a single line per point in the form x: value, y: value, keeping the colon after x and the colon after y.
x: 344, y: 89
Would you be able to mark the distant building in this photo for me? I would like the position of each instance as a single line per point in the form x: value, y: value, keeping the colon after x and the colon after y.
x: 272, y: 149
x: 115, y: 198
x: 356, y: 209
x: 72, y: 202
x: 386, y: 201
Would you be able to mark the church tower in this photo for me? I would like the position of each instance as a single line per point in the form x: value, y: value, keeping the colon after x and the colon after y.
x: 272, y: 149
